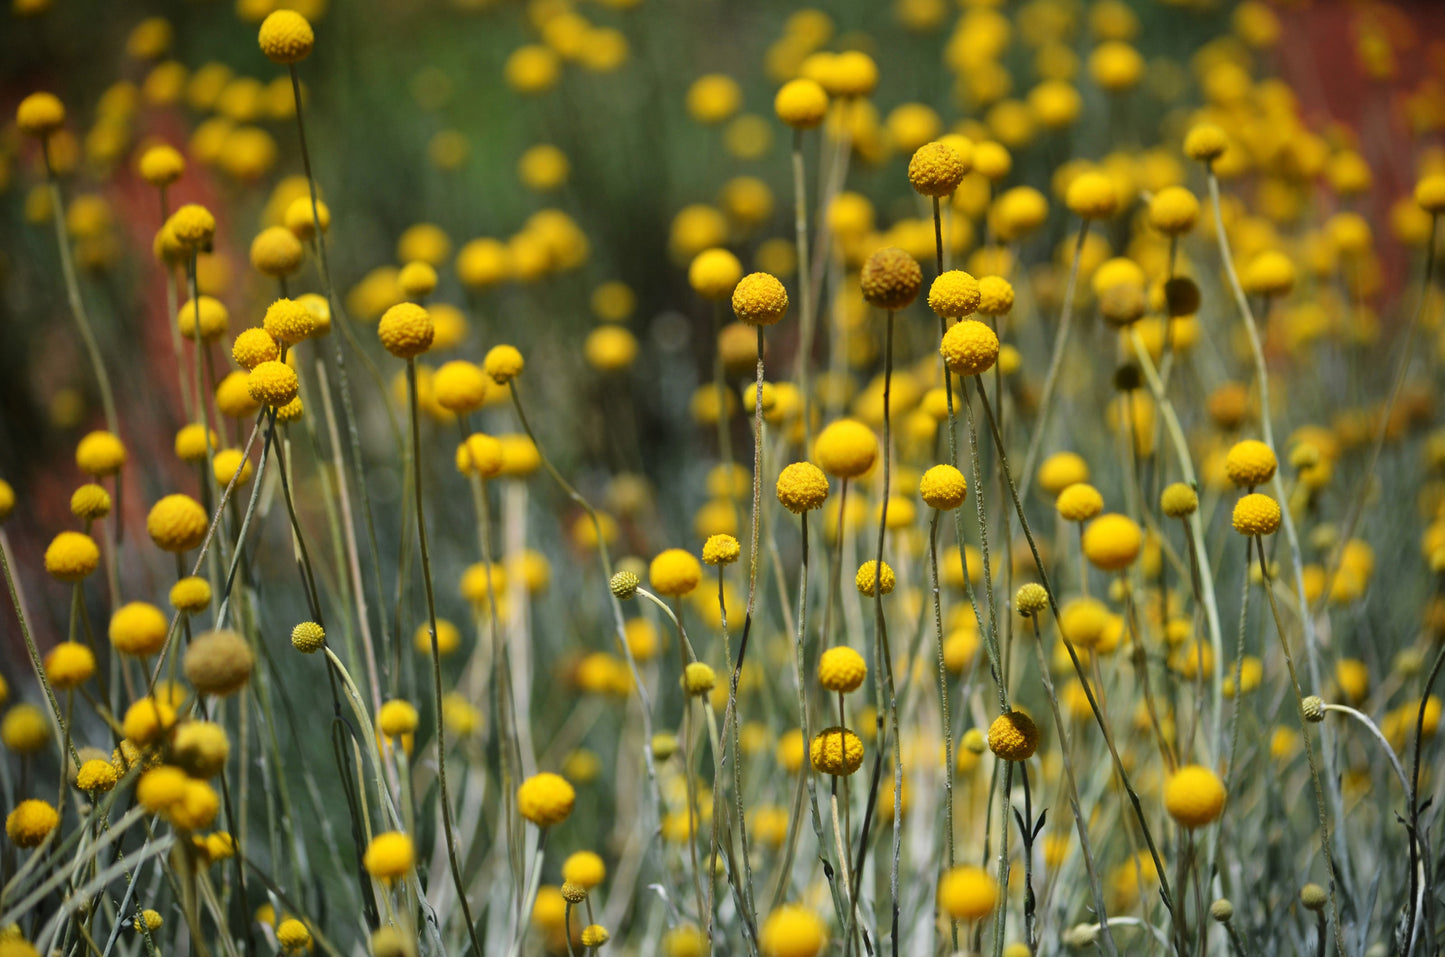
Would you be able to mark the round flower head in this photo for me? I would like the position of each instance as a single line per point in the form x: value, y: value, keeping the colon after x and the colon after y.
x: 854, y: 73
x: 967, y: 893
x: 140, y: 628
x: 943, y: 487
x: 459, y: 386
x: 201, y: 748
x: 1205, y: 142
x: 1173, y: 210
x: 1031, y: 599
x: 1013, y: 736
x: 1179, y: 500
x: 1256, y: 514
x: 1061, y: 470
x: 96, y: 776
x: 674, y: 572
x: 503, y: 363
x: 273, y: 383
x: 954, y: 294
x: 480, y: 454
x: 721, y: 550
x: 585, y: 869
x: 177, y: 523
x: 276, y: 252
x: 801, y: 103
x: 969, y: 347
x: 594, y: 935
x: 31, y: 822
x: 24, y: 729
x: 251, y: 348
x: 301, y: 219
x: 802, y: 487
x: 624, y: 585
x: 1194, y: 796
x: 69, y: 664
x: 759, y: 299
x: 397, y: 717
x: 1112, y: 542
x: 40, y: 114
x: 193, y: 226
x: 205, y: 313
x: 995, y: 296
x: 1079, y: 502
x: 90, y: 502
x: 792, y: 931
x: 100, y: 453
x: 191, y: 594
x: 289, y: 322
x: 1092, y: 195
x: 715, y: 273
x: 836, y: 751
x: 218, y: 662
x: 1430, y: 193
x: 291, y: 411
x: 846, y: 448
x: 841, y: 669
x: 7, y: 500
x: 890, y: 279
x: 286, y: 37
x: 1269, y: 273
x: 1250, y: 463
x: 545, y: 799
x: 936, y: 169
x: 71, y: 556
x: 292, y: 935
x: 698, y: 678
x: 161, y: 165
x: 405, y: 330
x: 609, y: 348
x: 867, y: 579
x: 308, y: 637
x: 389, y: 856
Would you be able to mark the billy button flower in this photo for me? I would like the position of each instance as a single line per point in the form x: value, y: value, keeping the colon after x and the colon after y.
x: 1013, y: 736
x: 206, y: 314
x: 846, y: 448
x: 545, y: 799
x: 276, y: 252
x: 218, y: 662
x: 251, y: 348
x: 867, y: 579
x: 503, y: 363
x: 1205, y: 142
x: 100, y: 453
x: 190, y: 595
x: 1250, y: 464
x: 1112, y: 542
x: 995, y: 296
x: 460, y: 386
x: 792, y: 931
x: 943, y: 487
x: 674, y: 572
x: 69, y: 665
x: 836, y: 751
x: 71, y: 556
x: 1256, y: 514
x: 286, y: 37
x: 161, y: 165
x: 31, y: 823
x: 389, y: 856
x: 936, y: 169
x: 1194, y: 796
x: 969, y: 348
x: 1079, y: 502
x: 140, y: 628
x: 714, y: 274
x: 40, y: 114
x: 721, y: 550
x: 1092, y: 195
x: 1173, y: 211
x: 289, y: 321
x: 273, y: 383
x: 841, y: 669
x: 954, y: 294
x: 90, y: 502
x: 802, y: 487
x: 967, y: 893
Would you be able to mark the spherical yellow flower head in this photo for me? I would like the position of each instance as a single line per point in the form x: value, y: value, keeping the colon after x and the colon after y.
x: 71, y: 556
x: 943, y: 487
x: 936, y: 169
x: 389, y: 856
x: 1194, y: 796
x: 251, y: 348
x: 836, y: 751
x: 969, y: 347
x: 1112, y: 542
x: 308, y: 637
x: 1079, y: 502
x: 802, y: 487
x: 276, y: 252
x: 715, y: 273
x: 759, y: 299
x: 301, y: 218
x: 1092, y: 195
x: 1013, y: 736
x: 286, y: 37
x: 100, y: 453
x: 1061, y: 470
x: 31, y: 822
x: 1250, y: 463
x: 674, y: 572
x: 7, y: 500
x: 417, y: 279
x: 69, y: 664
x: 854, y: 73
x: 792, y: 931
x: 1179, y: 500
x: 713, y: 98
x: 147, y: 720
x: 1256, y: 514
x: 161, y: 165
x: 954, y: 294
x: 890, y: 279
x: 194, y: 227
x: 545, y: 799
x: 503, y: 363
x: 406, y: 330
x: 609, y: 348
x: 1269, y: 273
x: 289, y: 321
x: 801, y: 103
x: 1205, y: 142
x: 231, y: 464
x: 842, y: 669
x: 24, y: 729
x: 1031, y: 599
x: 1173, y: 210
x: 846, y: 448
x: 218, y: 662
x: 40, y: 114
x: 459, y: 386
x: 205, y: 313
x: 995, y: 296
x: 1430, y: 193
x: 967, y: 892
x: 291, y: 934
x: 397, y: 718
x: 191, y: 441
x: 96, y: 776
x: 273, y: 383
x: 698, y: 678
x: 867, y: 579
x: 233, y: 396
x: 201, y: 748
x: 594, y: 935
x: 721, y: 550
x: 140, y: 628
x: 585, y: 869
x: 90, y: 502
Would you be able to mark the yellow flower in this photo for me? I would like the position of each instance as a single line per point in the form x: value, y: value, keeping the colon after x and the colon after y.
x: 389, y: 856
x: 1079, y: 502
x: 69, y: 665
x: 674, y: 572
x: 890, y: 279
x: 177, y: 523
x: 846, y: 448
x: 1250, y: 463
x: 397, y: 718
x: 31, y: 822
x: 967, y: 893
x: 936, y: 169
x: 140, y: 628
x: 721, y: 550
x: 841, y: 669
x: 943, y: 487
x: 273, y: 383
x: 867, y: 579
x: 291, y: 934
x: 714, y: 274
x: 969, y: 348
x: 759, y: 299
x: 792, y: 931
x: 503, y: 363
x: 71, y: 556
x: 1092, y: 195
x: 545, y: 799
x: 1112, y: 542
x: 24, y: 729
x: 801, y: 103
x: 1256, y: 514
x: 1013, y: 736
x: 308, y: 637
x: 1194, y: 796
x: 405, y: 330
x: 286, y: 37
x: 954, y: 294
x: 100, y: 453
x: 218, y: 662
x: 289, y: 321
x: 40, y: 114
